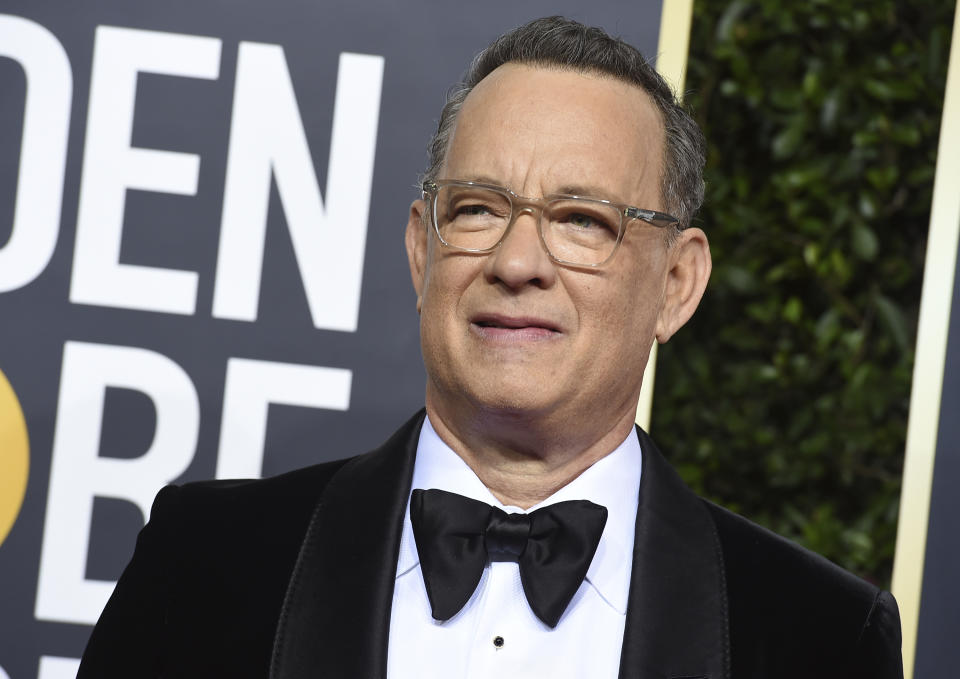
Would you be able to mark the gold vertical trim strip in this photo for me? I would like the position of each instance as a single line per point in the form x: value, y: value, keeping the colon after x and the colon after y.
x: 674, y: 42
x: 672, y: 47
x: 932, y: 330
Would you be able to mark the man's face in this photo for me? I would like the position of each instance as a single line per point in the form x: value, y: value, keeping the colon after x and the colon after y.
x: 511, y: 331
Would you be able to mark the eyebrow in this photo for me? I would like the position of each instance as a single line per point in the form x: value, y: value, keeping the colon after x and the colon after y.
x: 586, y: 190
x: 589, y: 191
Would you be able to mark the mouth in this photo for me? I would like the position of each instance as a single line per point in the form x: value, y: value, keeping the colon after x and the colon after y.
x: 503, y: 328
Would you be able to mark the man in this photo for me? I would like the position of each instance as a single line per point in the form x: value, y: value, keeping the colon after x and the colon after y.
x: 550, y: 247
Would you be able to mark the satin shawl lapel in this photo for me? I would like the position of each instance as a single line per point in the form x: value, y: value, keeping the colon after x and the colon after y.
x: 335, y: 620
x: 677, y: 613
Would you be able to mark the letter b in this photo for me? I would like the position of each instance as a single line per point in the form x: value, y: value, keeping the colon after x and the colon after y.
x: 78, y: 473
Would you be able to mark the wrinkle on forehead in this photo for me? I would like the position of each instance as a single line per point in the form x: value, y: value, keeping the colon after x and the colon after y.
x: 538, y: 130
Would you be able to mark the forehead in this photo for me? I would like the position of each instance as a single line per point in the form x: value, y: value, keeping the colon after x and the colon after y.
x: 546, y: 130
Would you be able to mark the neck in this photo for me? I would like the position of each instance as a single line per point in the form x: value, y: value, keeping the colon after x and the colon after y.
x: 524, y: 460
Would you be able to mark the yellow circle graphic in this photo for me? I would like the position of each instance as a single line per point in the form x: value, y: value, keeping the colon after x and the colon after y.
x: 14, y: 457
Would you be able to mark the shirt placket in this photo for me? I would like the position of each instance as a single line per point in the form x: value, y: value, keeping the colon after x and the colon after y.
x: 500, y: 638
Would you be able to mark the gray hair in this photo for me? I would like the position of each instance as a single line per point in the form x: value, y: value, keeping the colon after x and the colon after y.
x: 562, y: 43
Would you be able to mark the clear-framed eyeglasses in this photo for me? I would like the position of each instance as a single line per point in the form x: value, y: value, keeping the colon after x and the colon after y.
x: 574, y: 230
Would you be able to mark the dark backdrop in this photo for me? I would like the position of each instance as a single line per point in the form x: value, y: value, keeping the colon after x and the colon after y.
x: 77, y: 354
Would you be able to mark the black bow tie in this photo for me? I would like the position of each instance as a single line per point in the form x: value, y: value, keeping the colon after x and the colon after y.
x: 553, y: 547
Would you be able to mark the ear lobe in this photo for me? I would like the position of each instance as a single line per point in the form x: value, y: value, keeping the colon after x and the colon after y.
x: 686, y: 282
x: 415, y: 240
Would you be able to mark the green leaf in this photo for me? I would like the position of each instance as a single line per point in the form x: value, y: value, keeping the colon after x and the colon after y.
x: 740, y: 279
x: 785, y: 143
x: 793, y: 310
x: 893, y: 319
x: 829, y: 111
x: 883, y: 177
x: 864, y: 242
x: 887, y: 90
x: 729, y: 19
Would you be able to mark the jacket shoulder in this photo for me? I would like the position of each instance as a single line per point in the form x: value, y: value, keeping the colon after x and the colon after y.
x: 207, y: 579
x: 792, y: 612
x: 231, y: 536
x: 258, y: 502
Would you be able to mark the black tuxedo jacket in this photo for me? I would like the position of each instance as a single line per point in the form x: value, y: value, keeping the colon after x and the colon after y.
x: 293, y: 577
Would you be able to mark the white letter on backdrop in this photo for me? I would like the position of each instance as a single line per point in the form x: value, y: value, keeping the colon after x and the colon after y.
x: 251, y: 386
x: 111, y: 166
x: 329, y: 233
x: 43, y: 149
x: 53, y: 667
x: 78, y: 473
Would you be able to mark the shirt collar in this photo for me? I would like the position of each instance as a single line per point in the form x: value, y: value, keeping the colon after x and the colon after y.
x: 613, y: 482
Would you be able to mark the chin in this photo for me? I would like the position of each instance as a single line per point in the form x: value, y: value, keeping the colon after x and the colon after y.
x: 515, y: 399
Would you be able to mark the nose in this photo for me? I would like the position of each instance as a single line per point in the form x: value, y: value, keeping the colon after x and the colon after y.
x: 521, y: 258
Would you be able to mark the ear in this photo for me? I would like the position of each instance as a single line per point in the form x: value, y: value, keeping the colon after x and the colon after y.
x: 687, y: 277
x: 416, y: 242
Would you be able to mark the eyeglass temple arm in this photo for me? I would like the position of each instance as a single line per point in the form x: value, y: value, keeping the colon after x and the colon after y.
x: 661, y: 219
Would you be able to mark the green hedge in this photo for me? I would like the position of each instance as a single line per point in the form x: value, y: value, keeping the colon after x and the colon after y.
x: 786, y: 397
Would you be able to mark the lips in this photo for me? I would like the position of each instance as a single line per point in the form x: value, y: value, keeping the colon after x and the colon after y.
x: 505, y: 328
x: 513, y: 322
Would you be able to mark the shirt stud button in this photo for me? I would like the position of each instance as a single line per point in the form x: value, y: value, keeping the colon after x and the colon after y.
x: 498, y: 642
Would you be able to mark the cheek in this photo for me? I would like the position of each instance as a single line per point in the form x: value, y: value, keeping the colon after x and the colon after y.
x: 441, y: 285
x: 447, y: 281
x: 631, y: 309
x: 435, y: 344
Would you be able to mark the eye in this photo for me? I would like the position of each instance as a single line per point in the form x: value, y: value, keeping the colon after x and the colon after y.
x: 583, y: 221
x: 471, y: 210
x: 475, y: 208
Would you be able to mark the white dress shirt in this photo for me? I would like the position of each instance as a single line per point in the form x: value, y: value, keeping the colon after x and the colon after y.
x: 587, y: 640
